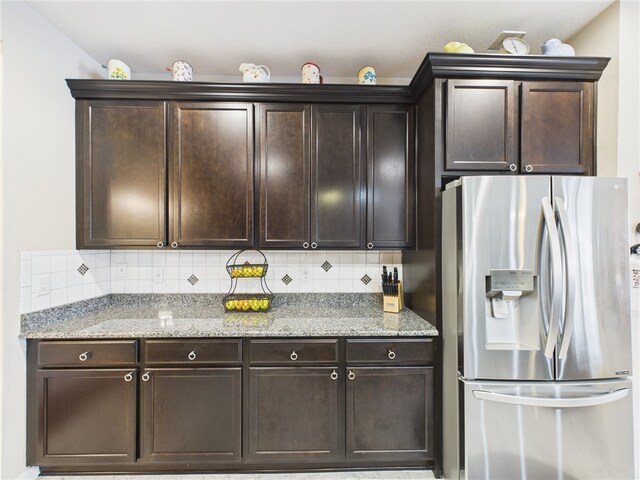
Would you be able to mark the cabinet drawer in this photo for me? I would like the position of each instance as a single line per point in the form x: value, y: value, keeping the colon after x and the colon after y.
x: 192, y: 352
x: 90, y: 354
x: 391, y: 351
x: 293, y: 352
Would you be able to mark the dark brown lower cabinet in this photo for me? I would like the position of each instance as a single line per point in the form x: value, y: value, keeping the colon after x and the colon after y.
x: 388, y: 413
x: 294, y: 414
x: 250, y: 404
x: 191, y: 415
x: 86, y: 416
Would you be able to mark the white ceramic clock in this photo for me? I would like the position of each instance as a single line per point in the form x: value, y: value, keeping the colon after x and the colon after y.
x: 515, y: 46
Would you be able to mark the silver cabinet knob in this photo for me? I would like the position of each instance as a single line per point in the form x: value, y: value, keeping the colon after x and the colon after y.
x: 334, y: 375
x: 192, y: 355
x: 369, y: 245
x: 305, y: 245
x: 351, y: 375
x: 528, y: 169
x: 513, y: 167
x: 128, y: 377
x: 146, y: 377
x: 160, y: 244
x: 314, y: 245
x: 83, y: 356
x: 175, y: 244
x: 293, y: 356
x: 391, y: 354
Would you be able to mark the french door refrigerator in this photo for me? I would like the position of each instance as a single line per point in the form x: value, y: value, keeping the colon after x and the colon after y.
x: 536, y: 328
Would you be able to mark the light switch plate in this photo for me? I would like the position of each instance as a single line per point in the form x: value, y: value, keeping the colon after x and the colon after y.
x: 121, y: 270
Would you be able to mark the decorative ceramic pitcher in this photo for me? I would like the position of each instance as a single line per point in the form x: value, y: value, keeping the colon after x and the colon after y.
x: 556, y: 48
x: 254, y: 73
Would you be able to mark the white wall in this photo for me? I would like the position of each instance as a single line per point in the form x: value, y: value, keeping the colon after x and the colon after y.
x: 629, y: 161
x: 37, y: 176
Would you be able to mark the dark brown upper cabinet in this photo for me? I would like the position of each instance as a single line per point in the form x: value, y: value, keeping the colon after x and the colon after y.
x: 120, y: 173
x: 390, y: 177
x: 558, y: 127
x: 521, y: 127
x: 311, y: 176
x: 211, y: 174
x: 481, y: 125
x: 284, y: 153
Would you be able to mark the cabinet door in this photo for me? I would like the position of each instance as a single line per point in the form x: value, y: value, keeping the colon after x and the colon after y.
x: 337, y: 176
x: 284, y: 148
x: 86, y: 416
x: 390, y: 184
x: 211, y: 175
x: 120, y: 173
x: 191, y: 415
x: 557, y: 127
x: 389, y: 413
x: 481, y: 125
x: 293, y: 414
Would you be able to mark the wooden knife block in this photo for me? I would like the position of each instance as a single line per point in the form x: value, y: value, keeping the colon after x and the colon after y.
x: 393, y: 304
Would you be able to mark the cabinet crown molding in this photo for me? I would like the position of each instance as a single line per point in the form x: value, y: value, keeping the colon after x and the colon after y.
x: 434, y: 65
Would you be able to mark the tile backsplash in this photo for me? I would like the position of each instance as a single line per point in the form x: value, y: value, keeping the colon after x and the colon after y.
x: 52, y: 278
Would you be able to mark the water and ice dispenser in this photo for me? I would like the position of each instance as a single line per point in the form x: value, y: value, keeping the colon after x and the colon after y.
x: 508, y: 327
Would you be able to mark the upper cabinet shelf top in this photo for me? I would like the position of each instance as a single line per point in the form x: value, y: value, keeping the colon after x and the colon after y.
x: 435, y: 64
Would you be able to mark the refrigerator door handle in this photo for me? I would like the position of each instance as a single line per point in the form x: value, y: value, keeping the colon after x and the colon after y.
x: 556, y: 276
x: 602, y: 399
x: 571, y: 277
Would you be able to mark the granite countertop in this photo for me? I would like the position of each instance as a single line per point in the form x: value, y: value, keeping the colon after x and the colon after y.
x: 202, y: 315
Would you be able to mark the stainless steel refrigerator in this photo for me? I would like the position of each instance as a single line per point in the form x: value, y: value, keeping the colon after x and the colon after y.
x: 536, y: 329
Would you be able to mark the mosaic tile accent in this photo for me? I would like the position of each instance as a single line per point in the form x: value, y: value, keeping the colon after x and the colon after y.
x: 366, y: 279
x: 193, y: 279
x: 287, y: 279
x: 83, y: 269
x: 326, y: 266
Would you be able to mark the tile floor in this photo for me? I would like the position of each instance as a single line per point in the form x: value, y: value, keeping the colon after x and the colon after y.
x: 367, y: 475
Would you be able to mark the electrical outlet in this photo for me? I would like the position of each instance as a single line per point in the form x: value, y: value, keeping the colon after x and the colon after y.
x: 43, y: 285
x: 158, y: 275
x: 306, y: 274
x: 121, y: 270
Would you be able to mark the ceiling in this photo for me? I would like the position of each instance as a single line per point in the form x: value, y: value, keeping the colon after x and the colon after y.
x: 339, y: 36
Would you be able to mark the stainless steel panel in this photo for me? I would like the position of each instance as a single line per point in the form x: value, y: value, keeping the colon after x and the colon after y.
x: 597, y: 303
x: 501, y: 223
x: 559, y: 441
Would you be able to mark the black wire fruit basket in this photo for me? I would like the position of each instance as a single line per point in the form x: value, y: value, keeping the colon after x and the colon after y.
x: 247, y: 302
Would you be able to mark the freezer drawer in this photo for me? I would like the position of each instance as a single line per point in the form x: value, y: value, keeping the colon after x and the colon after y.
x: 573, y: 430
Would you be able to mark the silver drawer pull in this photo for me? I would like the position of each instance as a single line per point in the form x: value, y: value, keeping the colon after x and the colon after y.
x: 192, y: 355
x: 513, y: 167
x: 160, y: 244
x: 128, y: 377
x: 351, y: 375
x: 369, y: 245
x: 391, y: 354
x: 334, y: 375
x: 175, y: 244
x: 83, y: 356
x: 314, y: 245
x: 146, y: 377
x: 528, y: 169
x: 293, y: 356
x: 305, y: 245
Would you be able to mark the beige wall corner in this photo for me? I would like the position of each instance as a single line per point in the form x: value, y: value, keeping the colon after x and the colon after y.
x: 600, y: 39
